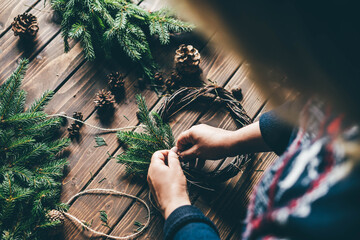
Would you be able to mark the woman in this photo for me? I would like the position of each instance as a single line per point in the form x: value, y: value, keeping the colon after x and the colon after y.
x: 313, y: 189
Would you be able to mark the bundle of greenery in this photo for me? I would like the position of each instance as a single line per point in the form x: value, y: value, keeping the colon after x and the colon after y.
x: 105, y: 25
x: 157, y: 135
x: 30, y: 168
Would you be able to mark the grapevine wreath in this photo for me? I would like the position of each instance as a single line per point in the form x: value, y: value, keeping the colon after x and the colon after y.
x: 186, y: 96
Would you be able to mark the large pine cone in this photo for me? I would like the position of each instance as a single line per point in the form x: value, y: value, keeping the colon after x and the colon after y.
x: 25, y: 25
x: 55, y: 215
x: 104, y: 99
x: 116, y: 82
x: 187, y: 60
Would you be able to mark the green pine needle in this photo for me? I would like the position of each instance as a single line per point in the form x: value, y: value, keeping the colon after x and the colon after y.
x: 30, y: 171
x: 100, y: 141
x: 105, y: 25
x: 157, y: 135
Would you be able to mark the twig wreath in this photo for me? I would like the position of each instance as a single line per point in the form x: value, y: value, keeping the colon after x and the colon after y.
x: 186, y: 96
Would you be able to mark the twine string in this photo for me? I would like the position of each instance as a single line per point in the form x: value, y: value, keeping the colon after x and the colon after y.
x: 98, y: 128
x: 108, y: 192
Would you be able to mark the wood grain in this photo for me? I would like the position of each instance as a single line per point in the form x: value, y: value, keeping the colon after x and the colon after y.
x: 13, y: 48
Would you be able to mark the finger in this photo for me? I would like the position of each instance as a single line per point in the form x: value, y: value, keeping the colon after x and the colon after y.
x: 153, y: 193
x: 173, y: 160
x: 189, y: 154
x: 159, y: 157
x: 184, y: 140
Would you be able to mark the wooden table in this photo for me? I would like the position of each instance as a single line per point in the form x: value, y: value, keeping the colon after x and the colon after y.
x: 76, y: 81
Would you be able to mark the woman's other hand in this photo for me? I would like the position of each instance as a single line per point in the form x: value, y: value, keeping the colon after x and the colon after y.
x: 167, y: 181
x: 204, y: 142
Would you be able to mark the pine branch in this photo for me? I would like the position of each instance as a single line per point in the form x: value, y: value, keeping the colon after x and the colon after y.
x: 39, y: 104
x: 141, y: 146
x: 10, y: 88
x: 103, y: 25
x: 30, y: 171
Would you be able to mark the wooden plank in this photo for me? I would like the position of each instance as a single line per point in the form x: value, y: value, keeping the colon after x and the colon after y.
x: 10, y: 9
x: 51, y: 68
x: 112, y: 169
x: 13, y: 48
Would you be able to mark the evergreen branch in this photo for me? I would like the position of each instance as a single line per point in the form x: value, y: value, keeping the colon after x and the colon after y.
x: 30, y: 171
x: 18, y: 144
x: 19, y: 105
x: 39, y: 104
x: 25, y: 118
x: 103, y: 25
x: 11, y: 88
x: 157, y: 136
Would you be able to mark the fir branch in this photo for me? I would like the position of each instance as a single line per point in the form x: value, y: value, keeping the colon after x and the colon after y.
x: 141, y: 146
x: 30, y: 171
x: 39, y: 104
x: 103, y: 25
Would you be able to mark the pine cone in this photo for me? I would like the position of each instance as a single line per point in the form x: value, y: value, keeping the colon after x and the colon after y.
x: 55, y: 215
x: 175, y: 77
x: 187, y: 60
x: 74, y: 130
x: 158, y: 78
x: 104, y: 100
x: 170, y: 84
x: 116, y: 81
x: 237, y: 93
x: 78, y: 116
x: 25, y: 25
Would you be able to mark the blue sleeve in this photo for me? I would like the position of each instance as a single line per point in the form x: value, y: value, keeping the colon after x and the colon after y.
x: 275, y: 131
x: 188, y: 222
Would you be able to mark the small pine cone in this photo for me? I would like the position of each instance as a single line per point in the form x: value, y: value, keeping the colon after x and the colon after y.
x: 175, y: 77
x: 237, y: 93
x: 170, y: 84
x: 104, y: 100
x: 78, y: 116
x: 187, y: 60
x: 25, y: 25
x: 115, y: 81
x: 158, y: 78
x: 55, y: 215
x: 74, y: 130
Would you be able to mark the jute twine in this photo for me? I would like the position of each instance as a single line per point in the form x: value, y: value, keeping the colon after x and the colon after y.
x: 107, y: 192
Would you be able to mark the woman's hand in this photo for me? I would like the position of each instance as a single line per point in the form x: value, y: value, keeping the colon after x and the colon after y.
x: 204, y: 142
x: 167, y: 181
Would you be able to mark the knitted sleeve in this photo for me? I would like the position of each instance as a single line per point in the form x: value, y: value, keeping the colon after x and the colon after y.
x: 275, y: 131
x: 188, y: 222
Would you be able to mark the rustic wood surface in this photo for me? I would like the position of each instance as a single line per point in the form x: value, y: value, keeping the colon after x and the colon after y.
x: 75, y: 82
